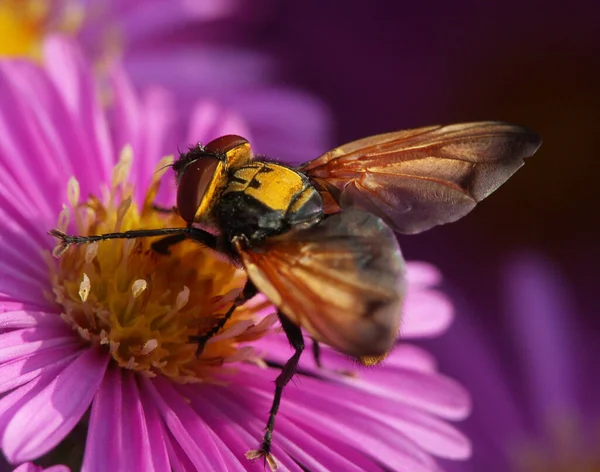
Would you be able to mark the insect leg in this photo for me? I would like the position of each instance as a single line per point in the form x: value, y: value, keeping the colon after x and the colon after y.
x: 66, y: 240
x: 246, y: 294
x: 316, y: 351
x: 294, y: 335
x: 162, y: 245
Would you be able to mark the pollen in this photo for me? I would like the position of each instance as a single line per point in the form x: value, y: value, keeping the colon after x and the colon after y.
x: 142, y: 307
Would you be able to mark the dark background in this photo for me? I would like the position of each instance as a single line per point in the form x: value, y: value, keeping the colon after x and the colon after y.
x: 388, y: 65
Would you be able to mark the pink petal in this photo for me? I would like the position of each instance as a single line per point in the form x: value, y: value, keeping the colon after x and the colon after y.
x: 157, y: 137
x: 209, y: 121
x: 422, y: 274
x: 331, y: 417
x: 427, y: 313
x: 146, y: 124
x: 393, y: 380
x: 28, y: 319
x: 253, y: 425
x: 157, y: 436
x: 21, y: 249
x: 13, y: 401
x: 143, y: 22
x: 200, y: 70
x: 125, y: 113
x: 28, y: 467
x: 208, y: 10
x: 285, y: 124
x: 26, y: 294
x: 27, y: 134
x: 20, y: 371
x: 15, y: 285
x: 7, y: 305
x: 139, y: 451
x: 29, y: 270
x: 180, y: 462
x: 45, y: 420
x: 410, y: 357
x: 231, y: 431
x: 185, y: 426
x: 31, y: 467
x: 73, y: 79
x: 276, y: 348
x: 433, y: 393
x: 23, y: 342
x: 431, y: 434
x: 29, y: 122
x: 118, y: 437
x: 105, y: 442
x: 146, y: 449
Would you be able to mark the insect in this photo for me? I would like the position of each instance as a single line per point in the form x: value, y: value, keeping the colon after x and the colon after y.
x: 319, y: 240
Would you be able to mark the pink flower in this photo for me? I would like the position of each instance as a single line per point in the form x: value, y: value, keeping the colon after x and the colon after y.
x: 105, y: 328
x: 30, y: 467
x: 196, y: 49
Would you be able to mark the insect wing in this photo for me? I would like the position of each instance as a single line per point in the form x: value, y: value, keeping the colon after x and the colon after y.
x: 420, y: 178
x: 341, y: 280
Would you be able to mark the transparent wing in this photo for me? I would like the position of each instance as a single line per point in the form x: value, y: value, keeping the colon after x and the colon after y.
x: 420, y: 178
x: 341, y: 280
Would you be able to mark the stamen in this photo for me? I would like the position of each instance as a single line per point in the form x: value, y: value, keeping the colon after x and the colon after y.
x: 91, y: 252
x: 138, y: 287
x: 85, y: 287
x: 182, y: 298
x: 245, y: 353
x: 237, y: 330
x: 63, y: 219
x: 121, y: 170
x: 146, y: 306
x: 159, y: 171
x: 121, y: 210
x: 128, y: 246
x: 149, y: 346
x: 73, y: 192
x: 84, y: 333
x: 162, y: 167
x: 114, y: 347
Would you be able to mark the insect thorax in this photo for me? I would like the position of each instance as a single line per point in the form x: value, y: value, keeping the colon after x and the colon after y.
x: 264, y: 199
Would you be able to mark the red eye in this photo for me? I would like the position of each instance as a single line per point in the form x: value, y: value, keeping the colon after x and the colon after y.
x: 193, y: 182
x: 225, y: 143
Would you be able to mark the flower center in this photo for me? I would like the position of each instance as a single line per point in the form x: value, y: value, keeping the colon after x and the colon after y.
x: 142, y: 306
x: 25, y: 22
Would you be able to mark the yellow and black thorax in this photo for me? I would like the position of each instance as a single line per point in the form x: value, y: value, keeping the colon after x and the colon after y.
x: 264, y: 198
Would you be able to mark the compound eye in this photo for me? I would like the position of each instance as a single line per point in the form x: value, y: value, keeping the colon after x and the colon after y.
x: 226, y: 143
x: 193, y: 183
